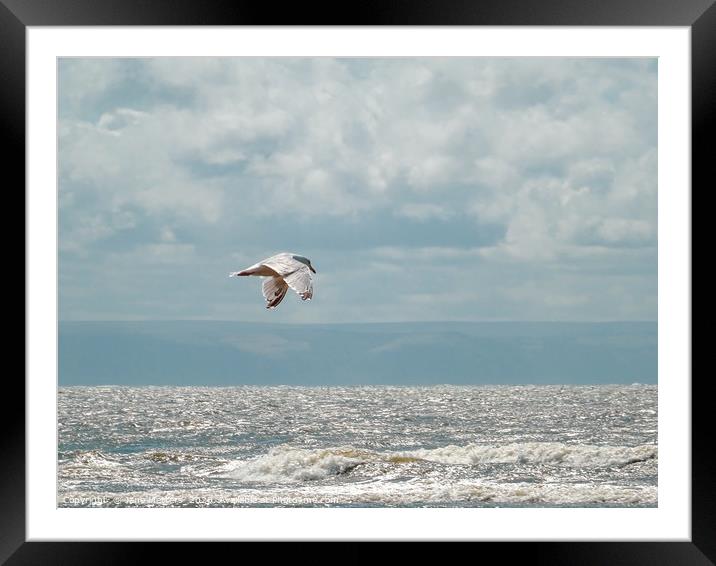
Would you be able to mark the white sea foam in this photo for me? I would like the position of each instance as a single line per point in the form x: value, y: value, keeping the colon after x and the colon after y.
x: 294, y: 464
x: 385, y: 493
x: 577, y: 455
x: 289, y: 464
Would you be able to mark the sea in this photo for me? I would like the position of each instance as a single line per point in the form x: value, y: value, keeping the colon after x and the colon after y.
x: 358, y: 446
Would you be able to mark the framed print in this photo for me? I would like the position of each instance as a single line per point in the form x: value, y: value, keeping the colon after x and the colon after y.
x: 472, y: 235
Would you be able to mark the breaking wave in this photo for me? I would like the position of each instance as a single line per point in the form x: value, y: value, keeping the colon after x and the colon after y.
x: 289, y: 464
x: 573, y: 455
x: 295, y: 464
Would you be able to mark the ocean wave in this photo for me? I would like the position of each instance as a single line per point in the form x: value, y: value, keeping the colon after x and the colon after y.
x: 290, y: 464
x: 285, y: 463
x: 557, y: 453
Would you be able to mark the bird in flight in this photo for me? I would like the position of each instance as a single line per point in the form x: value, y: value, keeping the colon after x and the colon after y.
x: 282, y: 271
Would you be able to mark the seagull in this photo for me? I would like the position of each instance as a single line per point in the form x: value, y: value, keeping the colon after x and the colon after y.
x: 282, y: 271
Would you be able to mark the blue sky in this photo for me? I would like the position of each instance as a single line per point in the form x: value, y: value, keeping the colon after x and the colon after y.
x: 422, y: 189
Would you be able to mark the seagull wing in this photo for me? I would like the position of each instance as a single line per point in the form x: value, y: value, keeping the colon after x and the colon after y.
x: 274, y: 290
x: 283, y: 264
x: 301, y: 281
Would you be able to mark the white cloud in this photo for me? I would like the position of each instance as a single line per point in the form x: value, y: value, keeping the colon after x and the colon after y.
x: 121, y: 118
x: 625, y: 230
x: 419, y: 124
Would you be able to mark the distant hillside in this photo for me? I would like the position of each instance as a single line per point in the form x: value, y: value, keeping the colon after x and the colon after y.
x: 228, y: 353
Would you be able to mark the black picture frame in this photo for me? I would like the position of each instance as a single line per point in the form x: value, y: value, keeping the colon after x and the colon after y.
x: 699, y: 15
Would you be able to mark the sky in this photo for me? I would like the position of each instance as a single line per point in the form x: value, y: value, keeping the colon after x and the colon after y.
x: 451, y: 189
